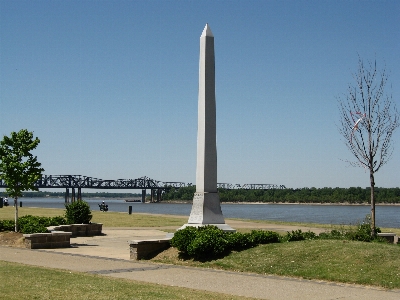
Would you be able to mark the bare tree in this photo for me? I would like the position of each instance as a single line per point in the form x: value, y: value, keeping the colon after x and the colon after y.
x: 368, y: 119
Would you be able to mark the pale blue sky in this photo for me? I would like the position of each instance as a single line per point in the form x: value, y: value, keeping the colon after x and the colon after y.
x: 110, y: 87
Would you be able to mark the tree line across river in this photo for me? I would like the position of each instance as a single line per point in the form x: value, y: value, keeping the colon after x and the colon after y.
x: 352, y: 195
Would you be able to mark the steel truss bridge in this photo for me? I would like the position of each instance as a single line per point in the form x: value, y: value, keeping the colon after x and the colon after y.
x: 157, y: 187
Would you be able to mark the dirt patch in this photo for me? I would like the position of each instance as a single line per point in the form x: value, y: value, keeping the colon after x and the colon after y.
x: 171, y: 254
x: 12, y: 239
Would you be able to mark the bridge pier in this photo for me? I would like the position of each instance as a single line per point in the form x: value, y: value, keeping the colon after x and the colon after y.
x: 66, y: 195
x: 156, y: 195
x: 79, y: 194
x: 143, y: 195
x: 153, y: 191
x: 159, y: 191
x: 73, y: 195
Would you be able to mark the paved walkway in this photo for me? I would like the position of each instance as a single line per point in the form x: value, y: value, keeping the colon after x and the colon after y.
x: 108, y: 255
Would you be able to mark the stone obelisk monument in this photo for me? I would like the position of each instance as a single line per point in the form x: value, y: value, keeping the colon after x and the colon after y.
x: 206, y: 209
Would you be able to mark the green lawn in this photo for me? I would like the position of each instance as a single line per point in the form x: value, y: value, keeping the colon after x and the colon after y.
x: 19, y: 281
x: 332, y: 260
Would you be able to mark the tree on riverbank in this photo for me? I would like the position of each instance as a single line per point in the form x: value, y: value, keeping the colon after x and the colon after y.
x: 368, y: 118
x: 18, y: 167
x: 352, y: 195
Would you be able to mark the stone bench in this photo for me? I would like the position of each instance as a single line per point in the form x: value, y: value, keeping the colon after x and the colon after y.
x: 91, y: 229
x: 55, y: 239
x: 389, y: 236
x: 142, y: 249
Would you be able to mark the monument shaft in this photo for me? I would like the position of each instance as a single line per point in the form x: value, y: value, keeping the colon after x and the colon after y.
x: 206, y: 172
x: 206, y: 208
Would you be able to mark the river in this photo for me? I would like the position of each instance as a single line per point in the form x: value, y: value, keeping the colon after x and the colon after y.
x: 386, y: 215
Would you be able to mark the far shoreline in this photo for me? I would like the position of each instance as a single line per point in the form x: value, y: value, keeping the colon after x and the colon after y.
x: 286, y: 203
x: 131, y: 200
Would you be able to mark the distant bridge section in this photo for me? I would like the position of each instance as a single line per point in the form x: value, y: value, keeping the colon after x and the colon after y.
x: 79, y: 181
x: 230, y: 186
x: 261, y: 186
x: 157, y: 187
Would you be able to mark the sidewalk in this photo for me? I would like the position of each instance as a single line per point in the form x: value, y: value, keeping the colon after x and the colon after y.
x: 108, y: 255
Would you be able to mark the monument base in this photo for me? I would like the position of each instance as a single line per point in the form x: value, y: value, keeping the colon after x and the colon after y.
x: 206, y: 210
x: 223, y: 227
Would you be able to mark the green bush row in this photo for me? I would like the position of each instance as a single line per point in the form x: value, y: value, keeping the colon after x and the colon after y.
x: 32, y: 224
x: 35, y: 224
x: 76, y: 213
x: 362, y: 233
x: 210, y: 242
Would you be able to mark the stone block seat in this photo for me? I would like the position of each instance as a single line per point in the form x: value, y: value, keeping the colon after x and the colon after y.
x: 91, y: 229
x: 389, y: 236
x: 54, y: 239
x: 142, y: 249
x: 60, y: 236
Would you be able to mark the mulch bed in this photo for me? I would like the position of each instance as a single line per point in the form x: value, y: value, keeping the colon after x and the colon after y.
x: 12, y: 239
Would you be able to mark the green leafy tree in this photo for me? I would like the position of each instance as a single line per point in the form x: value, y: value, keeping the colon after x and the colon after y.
x: 18, y: 167
x: 368, y: 118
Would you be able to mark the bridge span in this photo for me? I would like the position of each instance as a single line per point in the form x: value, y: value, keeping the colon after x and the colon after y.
x: 144, y: 183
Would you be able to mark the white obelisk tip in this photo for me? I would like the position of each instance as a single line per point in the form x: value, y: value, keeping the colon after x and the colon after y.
x: 207, y: 31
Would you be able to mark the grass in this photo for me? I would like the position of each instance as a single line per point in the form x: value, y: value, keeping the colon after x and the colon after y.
x: 116, y: 219
x: 345, y: 261
x: 317, y: 225
x: 108, y: 219
x: 19, y: 281
x: 375, y: 264
x: 7, y: 213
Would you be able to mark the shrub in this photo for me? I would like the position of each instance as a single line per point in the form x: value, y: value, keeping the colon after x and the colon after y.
x: 295, y: 235
x: 183, y: 238
x: 309, y: 235
x: 363, y: 233
x: 333, y: 235
x: 33, y: 227
x: 55, y: 221
x: 239, y: 241
x: 32, y: 224
x: 264, y: 237
x: 210, y: 242
x: 298, y: 235
x: 7, y: 225
x: 78, y: 212
x: 336, y: 233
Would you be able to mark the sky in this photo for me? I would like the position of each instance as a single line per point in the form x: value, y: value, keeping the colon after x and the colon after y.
x: 110, y: 87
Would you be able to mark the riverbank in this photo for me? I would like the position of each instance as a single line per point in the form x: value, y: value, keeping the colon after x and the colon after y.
x: 386, y: 215
x: 284, y: 203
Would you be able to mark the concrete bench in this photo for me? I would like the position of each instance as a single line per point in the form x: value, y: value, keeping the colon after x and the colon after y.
x: 91, y: 229
x: 142, y: 249
x: 55, y: 239
x: 389, y: 236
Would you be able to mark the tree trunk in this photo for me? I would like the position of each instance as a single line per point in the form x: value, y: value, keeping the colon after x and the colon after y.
x: 371, y: 176
x: 16, y: 213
